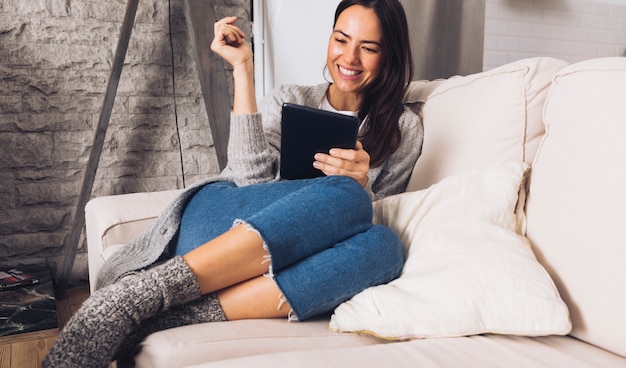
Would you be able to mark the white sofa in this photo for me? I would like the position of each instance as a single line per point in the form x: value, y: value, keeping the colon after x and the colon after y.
x: 487, y: 283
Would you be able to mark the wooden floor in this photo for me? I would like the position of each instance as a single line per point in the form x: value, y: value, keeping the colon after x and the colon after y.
x: 28, y: 349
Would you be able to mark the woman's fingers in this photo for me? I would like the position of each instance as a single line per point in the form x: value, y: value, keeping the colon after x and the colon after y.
x: 230, y: 43
x: 353, y: 163
x: 226, y: 32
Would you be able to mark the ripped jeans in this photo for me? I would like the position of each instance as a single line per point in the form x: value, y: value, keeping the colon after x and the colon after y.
x: 318, y: 232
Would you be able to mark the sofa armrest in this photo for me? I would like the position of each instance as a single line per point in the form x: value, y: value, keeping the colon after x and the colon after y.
x: 113, y: 221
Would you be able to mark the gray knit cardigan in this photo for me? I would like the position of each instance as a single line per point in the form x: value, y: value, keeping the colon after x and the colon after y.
x: 253, y: 157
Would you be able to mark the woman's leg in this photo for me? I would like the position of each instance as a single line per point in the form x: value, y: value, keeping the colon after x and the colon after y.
x: 233, y: 257
x: 256, y: 298
x: 313, y: 216
x: 321, y: 282
x: 318, y: 284
x: 96, y: 330
x: 95, y: 333
x: 213, y: 209
x: 205, y: 309
x: 251, y: 295
x: 317, y: 215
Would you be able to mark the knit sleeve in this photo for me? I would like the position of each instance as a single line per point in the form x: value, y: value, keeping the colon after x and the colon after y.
x: 254, y: 141
x: 253, y: 152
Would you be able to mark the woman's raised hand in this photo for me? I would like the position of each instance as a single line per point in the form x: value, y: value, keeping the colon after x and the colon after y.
x: 230, y: 43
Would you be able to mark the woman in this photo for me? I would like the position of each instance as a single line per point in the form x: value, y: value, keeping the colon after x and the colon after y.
x: 207, y: 257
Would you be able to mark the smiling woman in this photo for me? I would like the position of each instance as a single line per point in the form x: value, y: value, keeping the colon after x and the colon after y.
x: 209, y: 254
x: 371, y: 55
x: 355, y: 56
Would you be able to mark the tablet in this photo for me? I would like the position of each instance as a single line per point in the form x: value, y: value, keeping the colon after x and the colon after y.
x: 307, y: 131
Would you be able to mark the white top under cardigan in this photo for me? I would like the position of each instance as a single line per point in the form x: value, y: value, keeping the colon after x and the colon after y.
x: 253, y: 157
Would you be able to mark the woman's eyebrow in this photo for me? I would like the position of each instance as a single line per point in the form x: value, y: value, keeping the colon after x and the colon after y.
x: 363, y: 41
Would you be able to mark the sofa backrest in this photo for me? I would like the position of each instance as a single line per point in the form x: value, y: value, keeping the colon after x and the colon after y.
x: 480, y: 119
x: 577, y: 198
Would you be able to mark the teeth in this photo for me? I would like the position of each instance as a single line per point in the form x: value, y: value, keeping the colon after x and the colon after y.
x: 348, y: 73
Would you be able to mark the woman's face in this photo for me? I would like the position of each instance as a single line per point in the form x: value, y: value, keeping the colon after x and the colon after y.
x: 355, y: 54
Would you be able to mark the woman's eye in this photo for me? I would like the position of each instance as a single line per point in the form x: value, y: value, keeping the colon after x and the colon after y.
x: 339, y: 40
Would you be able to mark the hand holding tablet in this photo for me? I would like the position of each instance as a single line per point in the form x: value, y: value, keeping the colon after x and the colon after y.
x: 307, y: 131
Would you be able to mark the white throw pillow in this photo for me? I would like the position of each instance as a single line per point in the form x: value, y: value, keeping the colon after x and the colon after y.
x: 484, y: 118
x: 468, y: 271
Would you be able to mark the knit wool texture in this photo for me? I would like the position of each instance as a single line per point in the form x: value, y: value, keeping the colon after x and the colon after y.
x: 203, y: 310
x: 96, y: 331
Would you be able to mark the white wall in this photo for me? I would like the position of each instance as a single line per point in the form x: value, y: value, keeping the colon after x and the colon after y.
x: 290, y: 41
x: 571, y: 30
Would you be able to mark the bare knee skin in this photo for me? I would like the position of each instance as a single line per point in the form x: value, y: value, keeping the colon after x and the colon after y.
x: 233, y: 265
x: 235, y: 256
x: 256, y: 298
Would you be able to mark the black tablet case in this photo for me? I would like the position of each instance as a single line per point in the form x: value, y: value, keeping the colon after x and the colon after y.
x: 306, y: 131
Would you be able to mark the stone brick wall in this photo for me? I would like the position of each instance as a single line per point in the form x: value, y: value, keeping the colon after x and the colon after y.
x: 55, y: 60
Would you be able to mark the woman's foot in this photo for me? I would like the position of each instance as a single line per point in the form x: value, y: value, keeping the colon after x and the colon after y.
x: 96, y: 331
x: 205, y: 309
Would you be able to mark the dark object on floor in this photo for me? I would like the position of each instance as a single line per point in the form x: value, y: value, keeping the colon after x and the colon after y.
x: 15, y: 278
x: 29, y: 308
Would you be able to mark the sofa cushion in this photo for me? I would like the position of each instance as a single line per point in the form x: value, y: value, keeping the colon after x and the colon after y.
x: 577, y: 198
x: 476, y: 351
x: 468, y: 271
x: 483, y: 118
x: 210, y: 342
x: 420, y: 90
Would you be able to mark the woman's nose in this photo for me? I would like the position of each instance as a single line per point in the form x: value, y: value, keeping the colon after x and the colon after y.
x: 352, y: 55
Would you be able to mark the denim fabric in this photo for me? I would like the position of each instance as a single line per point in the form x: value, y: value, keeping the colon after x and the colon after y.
x: 319, y: 233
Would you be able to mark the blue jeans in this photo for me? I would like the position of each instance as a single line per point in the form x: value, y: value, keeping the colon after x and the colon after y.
x: 323, y: 246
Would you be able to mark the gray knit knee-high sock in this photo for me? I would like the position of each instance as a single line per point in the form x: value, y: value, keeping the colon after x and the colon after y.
x: 205, y: 309
x: 95, y: 332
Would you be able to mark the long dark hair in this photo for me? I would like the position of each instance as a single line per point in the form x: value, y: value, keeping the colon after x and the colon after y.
x: 382, y: 102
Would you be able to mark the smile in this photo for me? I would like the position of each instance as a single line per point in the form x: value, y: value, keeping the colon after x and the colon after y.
x: 347, y: 72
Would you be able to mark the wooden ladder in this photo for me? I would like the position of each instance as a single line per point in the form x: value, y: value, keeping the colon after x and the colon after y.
x: 200, y: 16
